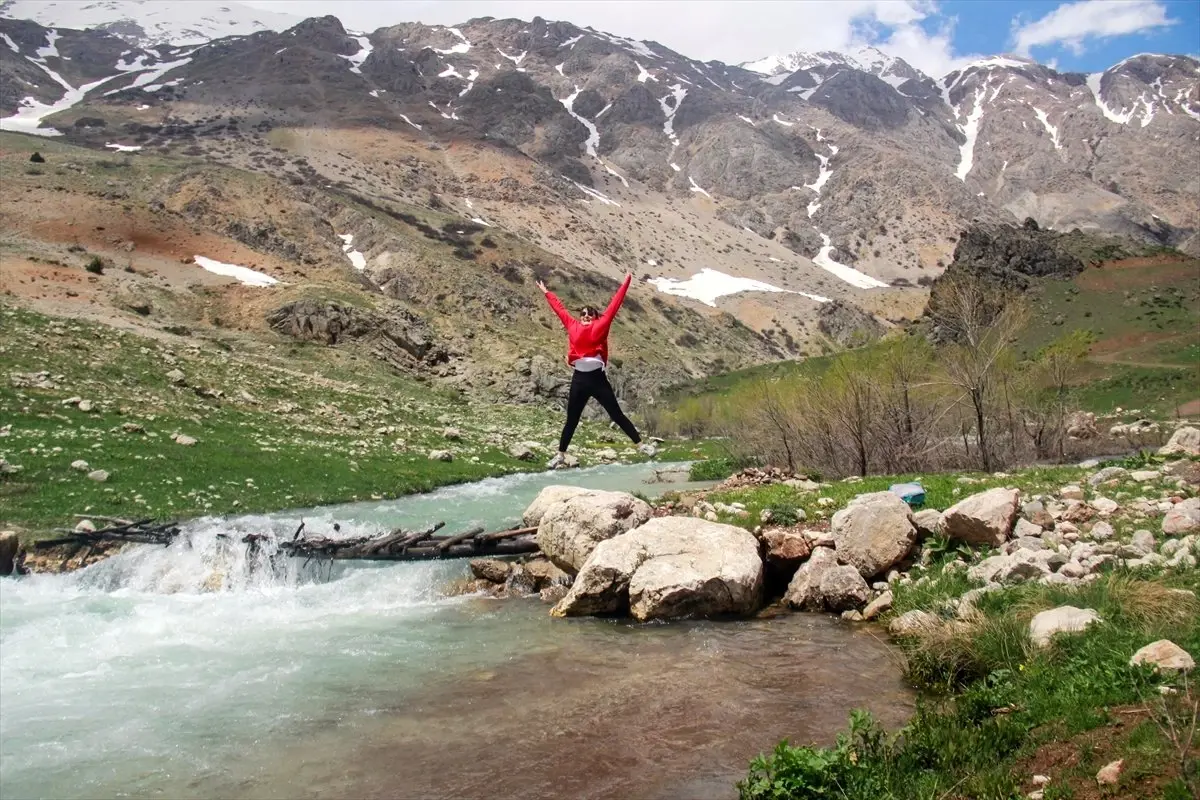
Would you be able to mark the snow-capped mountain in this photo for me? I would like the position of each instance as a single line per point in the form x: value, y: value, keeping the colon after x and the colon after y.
x: 144, y: 23
x: 865, y: 59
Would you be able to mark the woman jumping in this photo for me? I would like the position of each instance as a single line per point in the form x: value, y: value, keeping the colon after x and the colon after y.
x: 587, y: 353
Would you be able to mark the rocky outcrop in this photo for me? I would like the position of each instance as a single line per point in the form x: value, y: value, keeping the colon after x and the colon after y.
x: 848, y: 325
x: 401, y: 335
x: 1184, y: 441
x: 874, y: 532
x: 671, y: 567
x: 1182, y: 517
x: 569, y: 531
x: 1164, y: 655
x: 985, y: 518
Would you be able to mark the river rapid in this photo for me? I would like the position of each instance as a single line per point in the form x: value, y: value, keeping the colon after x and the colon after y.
x: 134, y: 678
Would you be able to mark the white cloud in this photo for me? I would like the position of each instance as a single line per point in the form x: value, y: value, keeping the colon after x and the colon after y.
x: 1072, y: 24
x: 704, y: 29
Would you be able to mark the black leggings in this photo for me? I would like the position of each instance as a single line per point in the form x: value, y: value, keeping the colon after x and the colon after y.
x: 584, y: 386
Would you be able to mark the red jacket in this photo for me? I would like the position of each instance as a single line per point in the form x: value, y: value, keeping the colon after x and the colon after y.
x: 589, y: 340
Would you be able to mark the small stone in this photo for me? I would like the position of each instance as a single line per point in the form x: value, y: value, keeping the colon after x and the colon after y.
x: 441, y: 455
x: 184, y: 439
x: 98, y: 475
x: 132, y: 427
x: 1107, y: 474
x: 1041, y: 780
x: 913, y: 622
x: 85, y: 406
x: 852, y: 616
x: 1143, y: 475
x: 1143, y: 540
x: 72, y: 401
x: 1164, y: 655
x: 1110, y: 773
x: 878, y: 606
x: 453, y: 434
x: 1102, y: 531
x: 1071, y: 493
x: 490, y: 569
x: 1064, y: 619
x: 177, y: 377
x: 85, y: 526
x: 79, y: 465
x: 1105, y: 506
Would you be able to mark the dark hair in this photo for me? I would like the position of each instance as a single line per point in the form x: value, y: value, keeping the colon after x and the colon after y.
x: 589, y: 310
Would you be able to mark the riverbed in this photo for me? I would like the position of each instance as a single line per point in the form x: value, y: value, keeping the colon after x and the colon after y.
x: 133, y: 678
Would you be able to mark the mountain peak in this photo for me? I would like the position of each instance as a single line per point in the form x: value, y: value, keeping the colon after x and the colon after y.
x: 145, y: 23
x: 865, y: 59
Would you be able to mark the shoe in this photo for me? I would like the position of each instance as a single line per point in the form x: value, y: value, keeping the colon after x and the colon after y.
x: 557, y: 462
x: 647, y: 449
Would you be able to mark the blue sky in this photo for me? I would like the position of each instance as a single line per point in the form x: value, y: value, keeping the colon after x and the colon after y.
x: 988, y: 27
x: 935, y: 36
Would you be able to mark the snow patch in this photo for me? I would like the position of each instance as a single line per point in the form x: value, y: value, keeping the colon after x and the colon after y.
x: 785, y: 123
x: 50, y: 49
x: 848, y: 274
x: 669, y: 109
x: 11, y: 44
x: 971, y: 130
x: 449, y: 72
x: 410, y: 122
x: 515, y: 59
x: 1093, y: 83
x: 32, y: 111
x: 823, y: 176
x: 675, y: 166
x: 462, y: 47
x: 471, y: 76
x: 356, y: 258
x: 590, y: 192
x: 813, y: 208
x: 708, y: 285
x: 364, y: 50
x: 746, y: 120
x: 571, y: 42
x: 696, y: 188
x: 124, y: 148
x: 245, y: 275
x: 559, y: 68
x: 1044, y: 118
x: 643, y: 75
x: 593, y: 139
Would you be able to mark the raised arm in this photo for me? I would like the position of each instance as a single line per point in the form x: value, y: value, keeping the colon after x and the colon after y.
x: 618, y: 298
x: 556, y: 305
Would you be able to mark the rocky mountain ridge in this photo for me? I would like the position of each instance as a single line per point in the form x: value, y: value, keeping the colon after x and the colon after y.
x: 847, y: 178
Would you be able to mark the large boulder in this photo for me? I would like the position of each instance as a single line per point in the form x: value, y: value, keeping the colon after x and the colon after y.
x: 874, y: 532
x: 1184, y: 441
x: 569, y: 531
x: 986, y: 518
x: 823, y: 584
x: 669, y: 567
x: 9, y: 544
x: 785, y: 552
x: 1164, y: 655
x: 546, y: 498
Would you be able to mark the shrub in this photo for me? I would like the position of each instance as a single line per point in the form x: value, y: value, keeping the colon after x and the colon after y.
x: 95, y: 266
x: 37, y: 158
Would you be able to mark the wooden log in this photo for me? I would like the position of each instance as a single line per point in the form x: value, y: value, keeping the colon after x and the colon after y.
x: 450, y: 541
x: 499, y: 535
x: 505, y: 548
x: 401, y: 538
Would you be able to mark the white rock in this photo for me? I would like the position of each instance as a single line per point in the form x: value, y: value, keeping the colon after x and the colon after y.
x: 984, y: 518
x: 453, y: 434
x: 1071, y: 492
x: 1105, y: 506
x: 1110, y: 773
x: 80, y: 465
x: 669, y: 567
x: 913, y: 622
x: 1164, y: 655
x: 1064, y: 619
x: 873, y: 532
x: 1101, y: 531
x: 177, y: 377
x: 546, y: 498
x: 878, y: 606
x: 1107, y: 474
x: 928, y: 521
x: 570, y: 530
x: 184, y: 440
x: 85, y: 526
x: 1183, y: 517
x: 98, y: 475
x: 1143, y: 540
x: 85, y: 405
x: 441, y: 455
x: 1184, y: 441
x: 1143, y: 475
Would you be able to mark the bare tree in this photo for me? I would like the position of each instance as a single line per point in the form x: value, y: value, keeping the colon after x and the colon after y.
x: 980, y: 321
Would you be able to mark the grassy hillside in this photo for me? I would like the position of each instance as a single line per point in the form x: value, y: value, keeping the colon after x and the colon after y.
x: 277, y: 424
